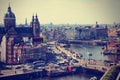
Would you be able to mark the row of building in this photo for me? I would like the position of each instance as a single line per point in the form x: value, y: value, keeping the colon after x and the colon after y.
x: 55, y: 34
x: 91, y: 33
x: 97, y: 32
x: 24, y: 43
x: 19, y: 43
x: 23, y: 52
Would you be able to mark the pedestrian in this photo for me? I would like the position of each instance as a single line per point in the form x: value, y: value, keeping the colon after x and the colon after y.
x: 85, y: 65
x: 15, y: 72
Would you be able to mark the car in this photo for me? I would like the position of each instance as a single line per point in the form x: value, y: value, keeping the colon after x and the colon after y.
x: 18, y: 67
x: 39, y: 63
x: 75, y: 61
x: 112, y: 64
x: 69, y: 57
x: 54, y: 62
x: 63, y: 63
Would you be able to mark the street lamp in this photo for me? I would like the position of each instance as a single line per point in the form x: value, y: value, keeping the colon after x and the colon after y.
x: 0, y: 55
x: 84, y: 51
x: 89, y: 54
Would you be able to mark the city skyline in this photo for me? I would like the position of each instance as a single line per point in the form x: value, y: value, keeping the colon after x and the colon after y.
x: 63, y: 11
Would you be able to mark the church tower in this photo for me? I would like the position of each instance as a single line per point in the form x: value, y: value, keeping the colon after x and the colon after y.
x: 36, y: 26
x: 36, y: 30
x: 9, y: 19
x: 10, y: 24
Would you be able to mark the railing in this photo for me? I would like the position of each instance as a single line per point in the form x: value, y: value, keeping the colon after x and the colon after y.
x: 112, y: 74
x: 118, y: 77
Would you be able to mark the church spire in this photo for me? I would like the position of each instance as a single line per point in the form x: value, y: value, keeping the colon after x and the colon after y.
x: 9, y: 3
x: 36, y: 18
x: 9, y: 8
x: 9, y: 19
x: 26, y: 21
x: 33, y: 18
x: 36, y: 26
x: 96, y: 23
x: 36, y: 15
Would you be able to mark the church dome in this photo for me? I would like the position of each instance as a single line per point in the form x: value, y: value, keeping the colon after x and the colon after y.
x: 9, y: 14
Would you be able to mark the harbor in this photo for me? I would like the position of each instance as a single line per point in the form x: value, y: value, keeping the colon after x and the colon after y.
x: 86, y: 64
x: 61, y: 40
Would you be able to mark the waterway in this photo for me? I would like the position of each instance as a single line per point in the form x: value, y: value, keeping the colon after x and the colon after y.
x: 84, y: 50
x: 96, y: 51
x: 81, y: 76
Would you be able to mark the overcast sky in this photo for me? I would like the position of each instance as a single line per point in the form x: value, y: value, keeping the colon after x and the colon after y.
x: 63, y: 11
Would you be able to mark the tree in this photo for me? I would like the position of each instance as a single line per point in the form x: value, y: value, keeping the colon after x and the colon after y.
x: 44, y: 38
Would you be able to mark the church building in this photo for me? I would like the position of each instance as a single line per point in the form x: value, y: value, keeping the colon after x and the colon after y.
x: 12, y: 35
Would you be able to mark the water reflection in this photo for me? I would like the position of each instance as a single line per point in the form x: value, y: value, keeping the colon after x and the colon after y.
x: 85, y: 49
x: 82, y: 76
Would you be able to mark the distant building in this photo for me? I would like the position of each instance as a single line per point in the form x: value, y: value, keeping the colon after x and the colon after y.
x: 86, y: 33
x: 17, y: 35
x: 118, y: 33
x: 91, y: 33
x: 101, y: 32
x: 55, y: 34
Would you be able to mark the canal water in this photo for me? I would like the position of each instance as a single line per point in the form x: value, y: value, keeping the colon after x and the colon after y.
x: 81, y: 76
x: 84, y: 50
x: 96, y: 51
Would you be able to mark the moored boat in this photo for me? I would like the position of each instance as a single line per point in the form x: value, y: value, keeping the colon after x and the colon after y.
x: 93, y: 78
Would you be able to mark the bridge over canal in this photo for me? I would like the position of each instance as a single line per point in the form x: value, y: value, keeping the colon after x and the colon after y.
x: 85, y: 63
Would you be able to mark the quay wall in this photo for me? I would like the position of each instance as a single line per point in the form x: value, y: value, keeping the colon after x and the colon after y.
x: 25, y: 76
x: 112, y: 73
x: 88, y: 42
x: 41, y: 74
x: 94, y: 72
x: 78, y: 70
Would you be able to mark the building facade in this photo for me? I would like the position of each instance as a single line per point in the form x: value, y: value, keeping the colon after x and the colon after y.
x: 86, y: 33
x: 91, y: 33
x: 15, y: 36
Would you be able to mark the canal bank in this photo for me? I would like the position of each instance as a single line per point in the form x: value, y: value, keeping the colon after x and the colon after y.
x: 112, y: 74
x: 51, y: 74
x: 39, y: 74
x: 95, y: 50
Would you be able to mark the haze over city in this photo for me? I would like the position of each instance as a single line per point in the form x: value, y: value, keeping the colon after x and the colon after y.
x: 63, y: 11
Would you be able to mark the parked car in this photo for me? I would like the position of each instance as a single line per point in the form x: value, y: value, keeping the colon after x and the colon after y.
x: 75, y: 61
x: 69, y: 57
x: 18, y: 67
x: 39, y: 63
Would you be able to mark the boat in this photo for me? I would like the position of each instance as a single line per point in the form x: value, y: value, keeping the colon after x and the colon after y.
x: 93, y: 78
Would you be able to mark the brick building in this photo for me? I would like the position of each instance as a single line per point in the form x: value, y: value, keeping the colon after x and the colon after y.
x: 15, y: 35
